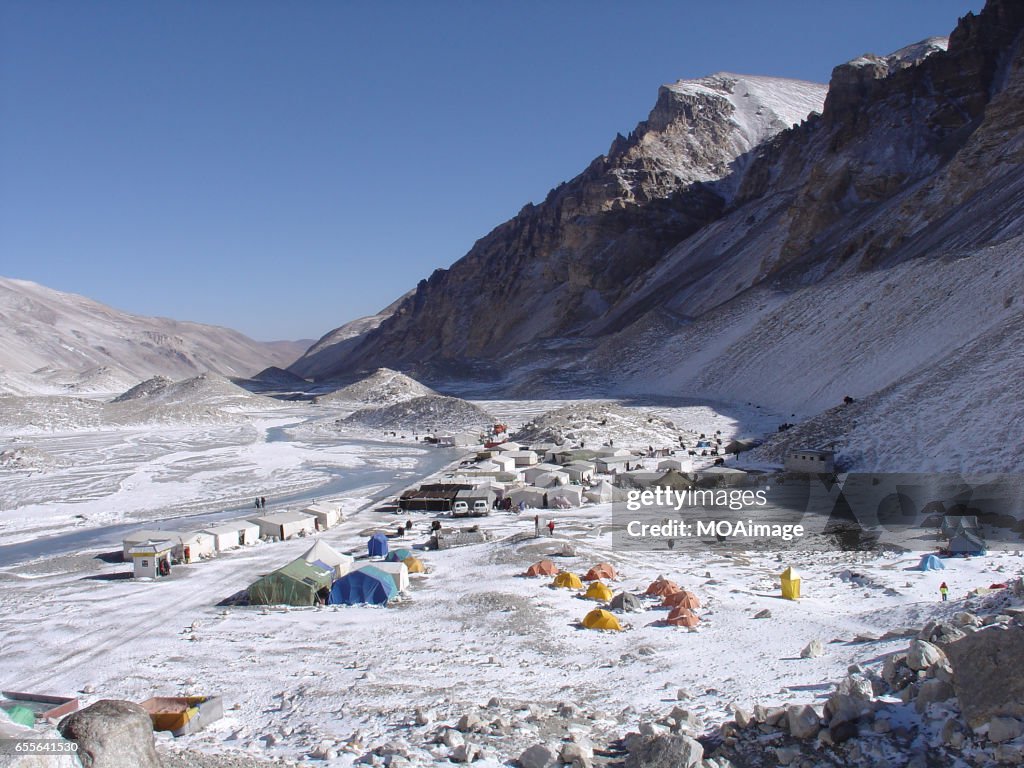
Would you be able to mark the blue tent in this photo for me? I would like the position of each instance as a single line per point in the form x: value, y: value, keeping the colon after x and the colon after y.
x: 367, y: 585
x: 377, y: 546
x: 931, y: 563
x: 398, y: 555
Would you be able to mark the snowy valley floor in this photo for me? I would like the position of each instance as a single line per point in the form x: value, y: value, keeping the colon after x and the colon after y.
x: 473, y: 628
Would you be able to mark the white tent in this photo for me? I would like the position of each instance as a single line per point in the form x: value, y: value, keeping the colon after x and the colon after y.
x: 325, y: 514
x: 529, y: 495
x: 196, y: 544
x: 601, y: 493
x: 285, y: 525
x: 504, y: 463
x: 233, y: 534
x: 551, y: 479
x: 398, y: 571
x: 571, y: 493
x: 530, y: 474
x: 678, y: 463
x: 328, y: 555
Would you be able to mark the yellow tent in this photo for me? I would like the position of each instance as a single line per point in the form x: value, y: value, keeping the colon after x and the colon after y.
x: 598, y: 591
x: 598, y: 619
x: 567, y: 580
x: 414, y: 564
x: 790, y: 584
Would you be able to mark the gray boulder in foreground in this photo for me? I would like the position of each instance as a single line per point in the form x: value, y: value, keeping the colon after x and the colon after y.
x: 112, y: 734
x: 985, y: 673
x: 666, y: 751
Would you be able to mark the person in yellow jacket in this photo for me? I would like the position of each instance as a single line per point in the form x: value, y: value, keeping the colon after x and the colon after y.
x: 944, y: 591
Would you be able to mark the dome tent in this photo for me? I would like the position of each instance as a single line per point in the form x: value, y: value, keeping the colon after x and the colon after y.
x: 661, y: 587
x: 626, y: 602
x: 601, y: 619
x: 367, y: 585
x: 398, y: 555
x: 598, y: 591
x: 567, y: 580
x: 415, y: 565
x: 683, y: 597
x: 542, y: 568
x: 682, y: 617
x: 600, y: 571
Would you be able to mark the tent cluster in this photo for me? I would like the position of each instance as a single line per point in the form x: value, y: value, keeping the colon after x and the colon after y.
x: 681, y: 603
x: 325, y: 576
x: 153, y: 552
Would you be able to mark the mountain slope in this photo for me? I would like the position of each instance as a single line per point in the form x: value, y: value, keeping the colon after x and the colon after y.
x: 556, y: 268
x: 45, y: 329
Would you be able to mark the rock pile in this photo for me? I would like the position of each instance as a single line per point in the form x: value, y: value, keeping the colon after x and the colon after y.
x: 952, y: 697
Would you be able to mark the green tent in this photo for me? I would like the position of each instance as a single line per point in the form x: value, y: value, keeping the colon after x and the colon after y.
x: 295, y: 584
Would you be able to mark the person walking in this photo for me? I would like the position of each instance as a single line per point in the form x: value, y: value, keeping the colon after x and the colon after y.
x: 551, y: 527
x: 944, y: 591
x: 263, y: 501
x: 536, y: 526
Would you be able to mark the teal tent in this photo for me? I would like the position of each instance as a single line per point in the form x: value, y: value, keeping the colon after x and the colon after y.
x: 367, y: 585
x: 398, y: 555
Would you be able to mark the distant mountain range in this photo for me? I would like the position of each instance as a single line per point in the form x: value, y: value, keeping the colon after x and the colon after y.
x: 60, y: 342
x: 720, y: 251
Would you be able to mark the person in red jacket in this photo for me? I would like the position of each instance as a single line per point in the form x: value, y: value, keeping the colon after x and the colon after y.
x: 551, y: 527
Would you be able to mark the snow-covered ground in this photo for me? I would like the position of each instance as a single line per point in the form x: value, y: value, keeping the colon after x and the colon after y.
x: 473, y: 628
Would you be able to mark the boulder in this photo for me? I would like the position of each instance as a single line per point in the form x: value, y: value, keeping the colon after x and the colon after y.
x: 465, y: 753
x: 573, y: 751
x: 813, y: 650
x: 451, y: 738
x: 685, y: 720
x: 932, y: 691
x: 980, y: 663
x: 1004, y: 729
x: 112, y: 734
x: 851, y: 700
x: 803, y: 721
x: 470, y: 723
x: 666, y: 751
x: 537, y: 756
x: 940, y: 633
x: 923, y: 655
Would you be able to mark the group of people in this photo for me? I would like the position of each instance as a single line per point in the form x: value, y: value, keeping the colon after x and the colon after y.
x: 261, y: 502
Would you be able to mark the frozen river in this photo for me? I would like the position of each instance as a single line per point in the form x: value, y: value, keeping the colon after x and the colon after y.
x: 109, y: 483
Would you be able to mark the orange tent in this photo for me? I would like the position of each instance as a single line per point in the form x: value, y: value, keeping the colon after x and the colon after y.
x: 682, y: 617
x: 542, y: 568
x: 601, y: 571
x: 683, y: 597
x: 661, y: 587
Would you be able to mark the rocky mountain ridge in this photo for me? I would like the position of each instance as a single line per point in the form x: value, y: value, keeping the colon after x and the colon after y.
x: 872, y: 251
x: 557, y: 267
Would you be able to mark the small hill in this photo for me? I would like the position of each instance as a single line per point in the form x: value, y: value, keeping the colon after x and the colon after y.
x: 422, y: 415
x: 596, y: 424
x: 383, y: 387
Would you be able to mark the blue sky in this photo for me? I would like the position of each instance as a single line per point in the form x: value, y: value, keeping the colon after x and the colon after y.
x: 283, y: 167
